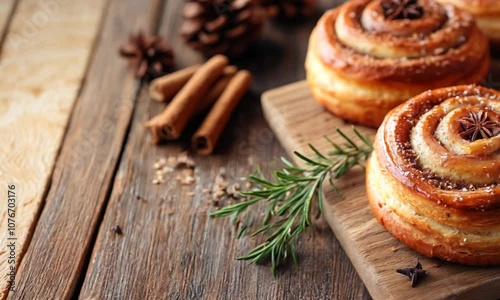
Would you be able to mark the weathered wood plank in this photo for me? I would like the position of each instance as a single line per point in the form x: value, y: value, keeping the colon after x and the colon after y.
x: 170, y: 248
x: 42, y: 65
x: 63, y: 237
x: 372, y: 250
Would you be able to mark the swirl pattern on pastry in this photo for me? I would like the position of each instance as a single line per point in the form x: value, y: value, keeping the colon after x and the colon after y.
x: 361, y: 64
x: 432, y: 185
x: 487, y: 15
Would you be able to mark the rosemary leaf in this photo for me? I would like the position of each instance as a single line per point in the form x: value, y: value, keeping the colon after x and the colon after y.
x: 290, y: 196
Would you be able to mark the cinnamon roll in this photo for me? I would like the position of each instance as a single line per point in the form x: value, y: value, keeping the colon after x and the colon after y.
x: 367, y: 56
x: 433, y: 180
x: 487, y: 15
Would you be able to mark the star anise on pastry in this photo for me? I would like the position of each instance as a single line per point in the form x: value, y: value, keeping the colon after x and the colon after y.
x: 402, y: 9
x: 478, y: 126
x: 148, y: 56
x: 414, y: 274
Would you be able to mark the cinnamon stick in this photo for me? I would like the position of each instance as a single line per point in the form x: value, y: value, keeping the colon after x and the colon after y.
x: 169, y: 124
x: 205, y: 139
x: 216, y: 91
x: 164, y: 88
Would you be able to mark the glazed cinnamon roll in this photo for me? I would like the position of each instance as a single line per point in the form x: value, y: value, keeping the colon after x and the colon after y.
x: 366, y: 57
x: 487, y: 15
x: 433, y: 180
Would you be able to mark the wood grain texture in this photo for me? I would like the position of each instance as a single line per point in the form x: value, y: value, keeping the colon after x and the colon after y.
x: 65, y: 232
x: 170, y: 248
x: 297, y: 120
x: 38, y: 88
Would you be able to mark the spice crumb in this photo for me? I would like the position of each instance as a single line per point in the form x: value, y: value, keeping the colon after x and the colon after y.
x: 187, y: 180
x: 117, y: 229
x: 218, y: 195
x: 164, y: 166
x: 233, y: 190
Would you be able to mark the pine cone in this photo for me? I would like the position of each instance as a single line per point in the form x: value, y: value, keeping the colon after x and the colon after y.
x: 288, y: 9
x: 221, y: 26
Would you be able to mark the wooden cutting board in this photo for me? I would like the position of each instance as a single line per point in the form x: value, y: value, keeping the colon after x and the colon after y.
x: 297, y: 121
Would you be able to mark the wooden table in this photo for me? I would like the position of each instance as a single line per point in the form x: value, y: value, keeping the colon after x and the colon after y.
x: 85, y: 165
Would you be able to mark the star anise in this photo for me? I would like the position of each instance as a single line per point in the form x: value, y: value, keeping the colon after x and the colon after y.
x: 149, y: 56
x: 479, y: 126
x: 402, y: 9
x: 414, y: 274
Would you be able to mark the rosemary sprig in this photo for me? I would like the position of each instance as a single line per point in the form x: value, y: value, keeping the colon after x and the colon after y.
x: 289, y: 197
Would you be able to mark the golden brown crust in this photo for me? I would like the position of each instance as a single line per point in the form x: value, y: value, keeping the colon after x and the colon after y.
x: 432, y: 189
x: 360, y: 65
x: 487, y: 15
x: 418, y: 239
x: 477, y: 7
